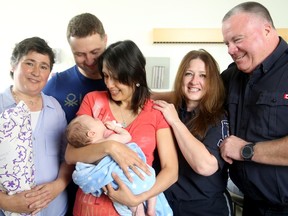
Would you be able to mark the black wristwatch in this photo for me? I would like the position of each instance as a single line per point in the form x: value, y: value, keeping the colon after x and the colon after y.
x: 247, y: 151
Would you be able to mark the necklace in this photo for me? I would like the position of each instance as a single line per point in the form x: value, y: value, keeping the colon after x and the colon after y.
x: 28, y: 101
x: 128, y: 118
x: 124, y: 125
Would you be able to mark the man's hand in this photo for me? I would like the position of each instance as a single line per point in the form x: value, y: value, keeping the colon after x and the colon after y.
x: 231, y: 147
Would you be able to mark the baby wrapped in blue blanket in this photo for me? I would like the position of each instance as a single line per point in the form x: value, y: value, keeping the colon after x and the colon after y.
x: 92, y: 177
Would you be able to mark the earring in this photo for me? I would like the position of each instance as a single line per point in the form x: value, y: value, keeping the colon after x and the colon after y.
x: 137, y: 84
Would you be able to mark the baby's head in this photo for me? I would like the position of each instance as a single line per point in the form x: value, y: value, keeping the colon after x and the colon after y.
x: 84, y: 130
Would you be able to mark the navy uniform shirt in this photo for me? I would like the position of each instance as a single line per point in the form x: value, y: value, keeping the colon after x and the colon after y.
x: 192, y: 186
x: 258, y: 111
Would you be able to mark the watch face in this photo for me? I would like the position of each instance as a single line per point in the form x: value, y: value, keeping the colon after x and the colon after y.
x: 247, y: 151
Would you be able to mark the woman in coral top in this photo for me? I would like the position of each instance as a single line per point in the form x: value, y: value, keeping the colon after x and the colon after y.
x: 128, y: 102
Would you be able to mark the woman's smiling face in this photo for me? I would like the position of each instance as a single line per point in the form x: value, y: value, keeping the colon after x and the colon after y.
x: 194, y: 81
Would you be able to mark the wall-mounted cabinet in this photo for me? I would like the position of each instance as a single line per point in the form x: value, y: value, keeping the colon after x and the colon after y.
x: 196, y: 35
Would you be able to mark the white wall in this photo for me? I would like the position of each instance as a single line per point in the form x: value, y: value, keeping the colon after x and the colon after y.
x: 122, y: 19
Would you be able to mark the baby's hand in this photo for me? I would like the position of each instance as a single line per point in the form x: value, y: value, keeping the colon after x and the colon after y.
x: 117, y: 123
x: 112, y: 125
x: 120, y: 134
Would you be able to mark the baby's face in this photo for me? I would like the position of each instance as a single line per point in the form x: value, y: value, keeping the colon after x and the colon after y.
x: 94, y: 124
x: 97, y: 129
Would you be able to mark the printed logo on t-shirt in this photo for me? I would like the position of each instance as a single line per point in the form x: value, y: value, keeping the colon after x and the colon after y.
x: 71, y: 100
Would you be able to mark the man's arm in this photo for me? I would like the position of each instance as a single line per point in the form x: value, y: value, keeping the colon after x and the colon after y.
x: 272, y: 152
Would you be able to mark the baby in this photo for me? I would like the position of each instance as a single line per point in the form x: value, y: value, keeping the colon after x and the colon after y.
x: 85, y: 130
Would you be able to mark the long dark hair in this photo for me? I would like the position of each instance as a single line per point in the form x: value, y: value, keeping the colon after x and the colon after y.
x: 127, y: 65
